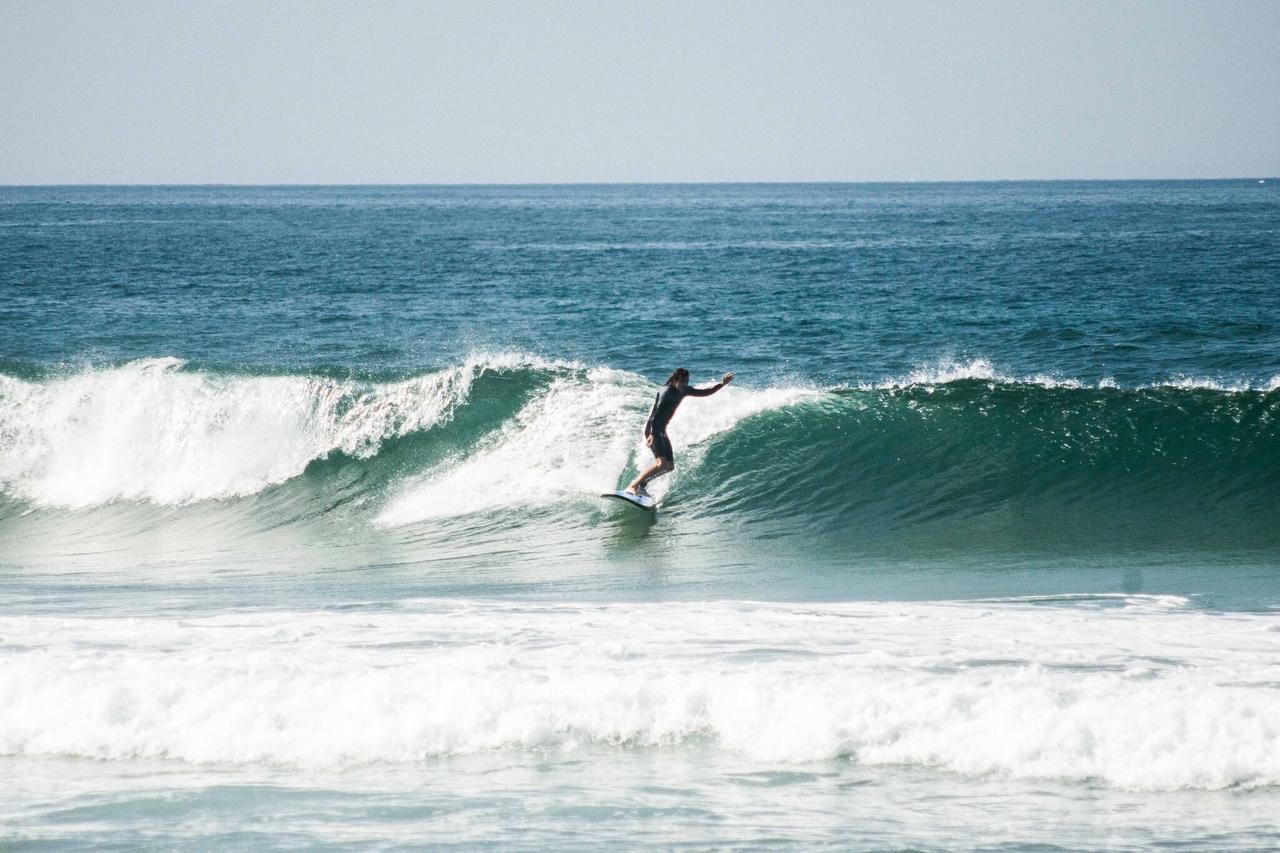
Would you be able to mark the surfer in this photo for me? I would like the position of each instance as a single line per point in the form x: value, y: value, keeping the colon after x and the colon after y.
x: 675, y: 389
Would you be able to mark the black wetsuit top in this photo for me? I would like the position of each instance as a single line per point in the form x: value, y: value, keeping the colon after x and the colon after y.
x: 666, y: 403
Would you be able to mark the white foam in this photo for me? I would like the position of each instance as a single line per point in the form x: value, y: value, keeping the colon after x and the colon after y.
x: 1137, y: 696
x: 572, y: 442
x: 1205, y: 383
x: 151, y: 431
x: 950, y: 370
x: 944, y: 371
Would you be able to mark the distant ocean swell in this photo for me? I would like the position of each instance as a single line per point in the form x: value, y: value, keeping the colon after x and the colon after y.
x: 1136, y: 692
x: 956, y: 448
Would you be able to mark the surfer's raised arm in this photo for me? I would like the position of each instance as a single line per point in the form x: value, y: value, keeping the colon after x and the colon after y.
x: 707, y: 392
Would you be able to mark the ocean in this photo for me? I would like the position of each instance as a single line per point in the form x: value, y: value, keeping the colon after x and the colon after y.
x: 301, y: 542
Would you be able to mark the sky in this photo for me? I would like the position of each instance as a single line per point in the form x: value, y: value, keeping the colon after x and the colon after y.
x: 531, y: 92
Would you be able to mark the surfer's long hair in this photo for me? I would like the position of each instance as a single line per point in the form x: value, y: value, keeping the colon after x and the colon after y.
x: 678, y: 375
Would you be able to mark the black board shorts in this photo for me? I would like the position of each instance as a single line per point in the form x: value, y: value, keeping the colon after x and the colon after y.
x: 662, y: 447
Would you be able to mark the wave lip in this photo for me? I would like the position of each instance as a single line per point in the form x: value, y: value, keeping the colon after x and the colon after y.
x: 1137, y: 696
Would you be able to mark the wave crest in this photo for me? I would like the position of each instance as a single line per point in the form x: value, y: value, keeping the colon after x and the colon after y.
x: 151, y: 431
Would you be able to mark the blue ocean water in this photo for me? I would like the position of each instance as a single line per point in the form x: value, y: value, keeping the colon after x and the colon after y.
x: 301, y: 542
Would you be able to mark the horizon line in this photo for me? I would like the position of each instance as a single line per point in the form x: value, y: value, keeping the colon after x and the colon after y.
x: 267, y: 184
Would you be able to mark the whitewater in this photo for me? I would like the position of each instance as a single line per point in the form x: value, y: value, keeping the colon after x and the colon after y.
x: 301, y: 542
x: 1024, y: 690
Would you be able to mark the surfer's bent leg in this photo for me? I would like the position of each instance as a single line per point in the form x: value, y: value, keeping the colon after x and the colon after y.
x: 664, y: 463
x: 657, y: 469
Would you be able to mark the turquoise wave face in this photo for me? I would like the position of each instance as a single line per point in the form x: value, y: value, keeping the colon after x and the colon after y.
x: 509, y: 452
x: 999, y: 466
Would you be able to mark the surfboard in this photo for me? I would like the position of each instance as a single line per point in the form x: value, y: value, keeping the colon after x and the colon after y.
x: 635, y: 500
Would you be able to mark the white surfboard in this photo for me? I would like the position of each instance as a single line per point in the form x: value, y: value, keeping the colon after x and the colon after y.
x: 635, y: 500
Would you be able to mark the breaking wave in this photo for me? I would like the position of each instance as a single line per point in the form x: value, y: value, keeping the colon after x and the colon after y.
x: 960, y: 451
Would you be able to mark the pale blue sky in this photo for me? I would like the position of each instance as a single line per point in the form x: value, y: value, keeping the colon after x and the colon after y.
x: 409, y: 92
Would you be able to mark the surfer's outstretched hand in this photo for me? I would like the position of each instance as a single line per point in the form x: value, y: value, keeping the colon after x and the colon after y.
x: 728, y: 377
